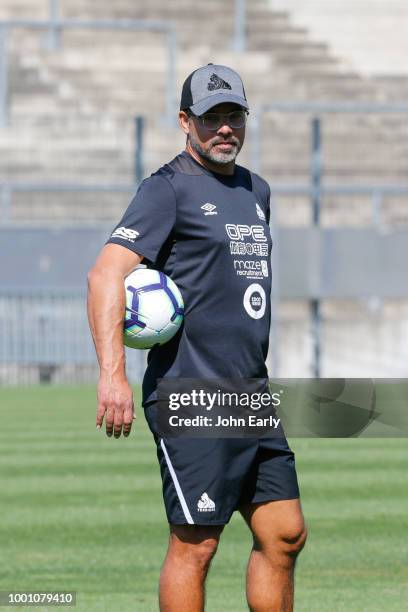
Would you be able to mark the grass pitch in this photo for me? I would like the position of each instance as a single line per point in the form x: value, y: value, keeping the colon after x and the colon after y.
x: 83, y: 512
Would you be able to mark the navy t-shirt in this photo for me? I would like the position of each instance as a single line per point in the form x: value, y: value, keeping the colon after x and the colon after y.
x: 209, y: 232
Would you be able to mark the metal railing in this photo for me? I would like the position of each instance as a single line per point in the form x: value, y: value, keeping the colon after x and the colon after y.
x: 317, y: 189
x: 377, y: 193
x: 316, y: 109
x: 55, y: 26
x: 7, y: 188
x: 239, y: 43
x: 47, y: 331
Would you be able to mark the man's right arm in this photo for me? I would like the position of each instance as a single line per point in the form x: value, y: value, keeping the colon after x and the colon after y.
x: 106, y: 308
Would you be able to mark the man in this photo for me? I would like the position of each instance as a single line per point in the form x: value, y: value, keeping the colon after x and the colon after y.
x: 196, y: 219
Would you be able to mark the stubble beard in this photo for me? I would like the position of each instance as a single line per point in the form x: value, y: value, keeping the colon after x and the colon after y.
x: 217, y: 157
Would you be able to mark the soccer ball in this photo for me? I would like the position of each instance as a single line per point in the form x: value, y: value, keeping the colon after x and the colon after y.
x: 154, y: 309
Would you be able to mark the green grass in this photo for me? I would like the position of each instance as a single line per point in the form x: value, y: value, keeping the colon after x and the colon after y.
x: 83, y: 512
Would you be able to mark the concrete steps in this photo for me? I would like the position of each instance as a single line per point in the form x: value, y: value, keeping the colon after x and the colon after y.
x: 393, y: 88
x: 23, y: 9
x: 368, y: 35
x: 72, y: 109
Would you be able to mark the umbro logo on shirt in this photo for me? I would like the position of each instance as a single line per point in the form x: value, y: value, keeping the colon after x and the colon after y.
x: 125, y: 233
x: 209, y: 209
x: 205, y: 504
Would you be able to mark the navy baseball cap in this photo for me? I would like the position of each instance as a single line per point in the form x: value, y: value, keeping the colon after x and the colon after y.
x: 211, y: 85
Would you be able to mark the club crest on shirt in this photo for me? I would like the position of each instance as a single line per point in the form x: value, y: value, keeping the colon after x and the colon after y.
x: 260, y: 212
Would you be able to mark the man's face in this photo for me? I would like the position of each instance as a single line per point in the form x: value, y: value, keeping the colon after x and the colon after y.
x: 221, y: 146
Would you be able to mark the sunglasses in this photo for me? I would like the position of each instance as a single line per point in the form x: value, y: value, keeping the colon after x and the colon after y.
x: 213, y: 121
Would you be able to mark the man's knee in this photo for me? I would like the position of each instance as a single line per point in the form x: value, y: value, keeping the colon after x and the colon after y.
x: 194, y: 544
x: 293, y: 540
x: 289, y: 540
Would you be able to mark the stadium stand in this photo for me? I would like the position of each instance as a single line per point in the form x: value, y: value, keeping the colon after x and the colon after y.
x: 357, y: 30
x: 71, y: 119
x: 71, y: 110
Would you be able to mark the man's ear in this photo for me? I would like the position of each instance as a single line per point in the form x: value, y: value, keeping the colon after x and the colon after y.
x: 184, y: 122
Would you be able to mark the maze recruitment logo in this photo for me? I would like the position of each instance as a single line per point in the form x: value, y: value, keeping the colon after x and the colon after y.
x: 251, y: 269
x: 255, y: 301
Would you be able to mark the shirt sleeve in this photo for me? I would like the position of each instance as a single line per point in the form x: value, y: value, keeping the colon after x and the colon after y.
x: 148, y: 220
x: 263, y: 191
x: 268, y: 205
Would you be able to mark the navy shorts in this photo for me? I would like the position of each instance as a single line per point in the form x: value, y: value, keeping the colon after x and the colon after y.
x: 205, y: 480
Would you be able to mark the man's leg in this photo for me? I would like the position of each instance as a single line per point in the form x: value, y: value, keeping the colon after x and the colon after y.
x: 279, y: 534
x: 191, y: 548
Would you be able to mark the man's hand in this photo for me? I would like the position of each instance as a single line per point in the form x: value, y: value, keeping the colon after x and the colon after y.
x: 115, y: 402
x: 106, y: 311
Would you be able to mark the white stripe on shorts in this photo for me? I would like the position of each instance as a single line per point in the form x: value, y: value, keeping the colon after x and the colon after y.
x: 177, y: 485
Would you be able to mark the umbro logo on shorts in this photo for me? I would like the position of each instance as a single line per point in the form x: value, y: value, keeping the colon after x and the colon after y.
x: 126, y: 234
x: 205, y: 504
x: 209, y: 209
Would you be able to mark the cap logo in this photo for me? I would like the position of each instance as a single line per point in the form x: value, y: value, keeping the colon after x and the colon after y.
x: 217, y: 83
